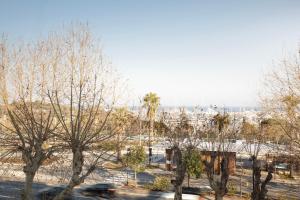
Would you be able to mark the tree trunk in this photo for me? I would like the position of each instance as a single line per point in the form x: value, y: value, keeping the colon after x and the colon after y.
x: 219, y: 185
x: 263, y: 188
x: 140, y: 129
x: 118, y: 148
x: 260, y: 187
x: 27, y: 194
x: 178, y: 192
x: 76, y: 179
x: 140, y: 139
x: 241, y: 181
x: 149, y: 141
x: 66, y: 192
x: 256, y: 179
x: 218, y: 196
x: 152, y: 127
x: 188, y: 180
x: 180, y: 173
x: 135, y: 178
x: 291, y: 169
x: 291, y: 162
x: 32, y: 164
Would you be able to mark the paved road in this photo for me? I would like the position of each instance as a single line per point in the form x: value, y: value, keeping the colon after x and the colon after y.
x: 12, y: 190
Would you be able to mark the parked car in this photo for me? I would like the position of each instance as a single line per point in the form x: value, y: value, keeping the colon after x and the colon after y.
x: 106, y: 190
x: 50, y: 192
x: 196, y: 190
x: 170, y: 195
x: 282, y: 166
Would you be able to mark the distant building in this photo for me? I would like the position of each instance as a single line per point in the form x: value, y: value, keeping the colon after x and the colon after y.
x: 231, y: 156
x: 206, y: 155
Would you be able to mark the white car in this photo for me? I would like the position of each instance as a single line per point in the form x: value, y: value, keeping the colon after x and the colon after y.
x: 168, y: 196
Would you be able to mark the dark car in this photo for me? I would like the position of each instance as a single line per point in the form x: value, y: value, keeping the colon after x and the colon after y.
x: 50, y: 192
x: 106, y: 190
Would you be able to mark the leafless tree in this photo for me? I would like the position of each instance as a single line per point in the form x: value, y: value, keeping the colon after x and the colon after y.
x: 281, y: 97
x: 219, y: 129
x: 256, y: 138
x: 28, y: 124
x: 83, y: 97
x: 182, y: 136
x: 280, y: 100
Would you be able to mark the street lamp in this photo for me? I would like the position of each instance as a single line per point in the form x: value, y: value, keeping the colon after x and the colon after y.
x: 150, y: 154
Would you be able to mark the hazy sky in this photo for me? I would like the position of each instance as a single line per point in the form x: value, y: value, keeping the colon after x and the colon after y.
x: 189, y: 52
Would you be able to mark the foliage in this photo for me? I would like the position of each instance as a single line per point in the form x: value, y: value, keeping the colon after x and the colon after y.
x: 160, y: 127
x: 161, y: 183
x: 151, y: 103
x: 193, y: 162
x: 121, y: 118
x: 269, y: 129
x: 248, y: 130
x: 231, y: 188
x: 135, y: 158
x: 184, y: 126
x: 221, y: 121
x: 108, y: 145
x: 281, y: 97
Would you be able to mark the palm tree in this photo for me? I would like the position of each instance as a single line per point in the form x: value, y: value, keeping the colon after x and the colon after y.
x: 151, y: 103
x: 221, y: 121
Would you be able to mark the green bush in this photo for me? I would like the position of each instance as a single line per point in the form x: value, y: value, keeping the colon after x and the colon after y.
x: 161, y: 183
x: 231, y: 188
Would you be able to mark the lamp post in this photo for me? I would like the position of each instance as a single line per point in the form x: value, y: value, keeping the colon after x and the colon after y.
x: 150, y: 154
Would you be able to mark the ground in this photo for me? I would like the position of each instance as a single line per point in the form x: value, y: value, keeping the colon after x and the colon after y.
x: 12, y: 177
x: 10, y: 187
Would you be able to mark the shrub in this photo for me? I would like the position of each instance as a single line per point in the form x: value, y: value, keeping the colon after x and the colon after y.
x: 161, y: 183
x: 231, y: 189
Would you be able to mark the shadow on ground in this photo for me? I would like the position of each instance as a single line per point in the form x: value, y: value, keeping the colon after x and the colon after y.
x: 13, y: 189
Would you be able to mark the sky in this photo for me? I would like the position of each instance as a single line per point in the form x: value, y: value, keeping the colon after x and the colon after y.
x: 188, y: 52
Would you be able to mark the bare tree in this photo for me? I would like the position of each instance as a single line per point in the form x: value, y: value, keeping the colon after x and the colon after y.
x: 281, y: 97
x: 280, y: 100
x: 182, y: 136
x: 83, y: 101
x: 255, y: 142
x: 30, y: 124
x: 219, y: 130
